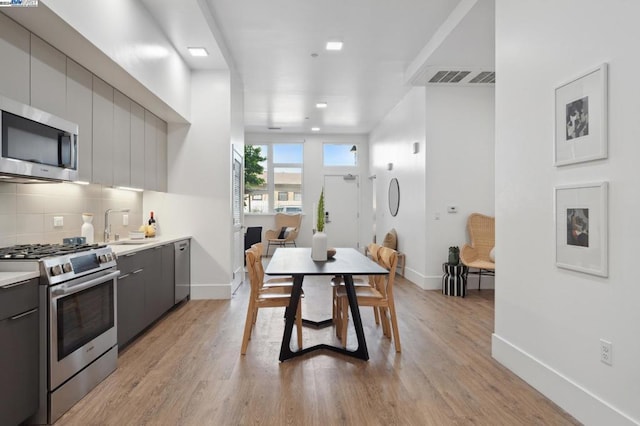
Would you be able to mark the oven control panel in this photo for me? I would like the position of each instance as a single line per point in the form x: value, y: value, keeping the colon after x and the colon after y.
x: 61, y: 268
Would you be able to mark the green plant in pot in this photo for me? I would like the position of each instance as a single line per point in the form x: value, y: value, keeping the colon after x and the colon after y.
x: 319, y: 240
x: 454, y: 255
x: 320, y: 213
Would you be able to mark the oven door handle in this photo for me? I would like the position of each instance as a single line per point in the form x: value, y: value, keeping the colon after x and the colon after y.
x: 63, y: 290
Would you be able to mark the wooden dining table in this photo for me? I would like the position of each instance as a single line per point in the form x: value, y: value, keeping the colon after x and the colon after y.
x: 297, y: 262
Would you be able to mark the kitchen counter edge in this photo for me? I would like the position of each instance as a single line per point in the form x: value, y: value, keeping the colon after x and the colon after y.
x: 7, y: 278
x: 123, y: 249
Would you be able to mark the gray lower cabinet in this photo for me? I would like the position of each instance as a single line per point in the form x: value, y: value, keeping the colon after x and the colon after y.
x: 159, y: 288
x: 19, y: 367
x: 145, y: 290
x: 131, y: 319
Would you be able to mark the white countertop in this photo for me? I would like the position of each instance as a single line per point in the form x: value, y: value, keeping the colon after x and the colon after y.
x: 15, y: 277
x: 121, y: 249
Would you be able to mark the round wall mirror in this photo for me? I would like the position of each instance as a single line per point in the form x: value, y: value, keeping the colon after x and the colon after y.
x: 394, y: 196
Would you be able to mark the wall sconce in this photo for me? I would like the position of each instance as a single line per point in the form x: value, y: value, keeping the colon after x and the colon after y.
x: 390, y: 166
x: 416, y: 147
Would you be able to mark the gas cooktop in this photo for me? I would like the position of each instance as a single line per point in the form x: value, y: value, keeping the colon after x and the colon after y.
x: 41, y: 251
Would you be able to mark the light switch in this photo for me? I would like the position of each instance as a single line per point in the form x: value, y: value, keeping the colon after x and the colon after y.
x: 452, y: 209
x: 58, y: 221
x: 125, y: 219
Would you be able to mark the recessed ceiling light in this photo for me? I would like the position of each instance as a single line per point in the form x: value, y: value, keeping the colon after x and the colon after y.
x: 321, y: 105
x: 315, y: 129
x: 334, y: 45
x: 198, y: 51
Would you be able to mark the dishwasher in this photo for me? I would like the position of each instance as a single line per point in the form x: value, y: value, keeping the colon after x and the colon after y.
x: 182, y: 253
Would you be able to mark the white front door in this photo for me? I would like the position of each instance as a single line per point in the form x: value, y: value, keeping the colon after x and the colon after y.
x: 341, y: 201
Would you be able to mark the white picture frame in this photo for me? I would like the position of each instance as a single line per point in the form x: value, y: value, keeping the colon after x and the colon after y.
x: 581, y: 219
x: 581, y: 122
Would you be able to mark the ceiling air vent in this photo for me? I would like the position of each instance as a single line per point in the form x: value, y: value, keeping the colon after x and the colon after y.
x: 453, y: 75
x: 484, y: 77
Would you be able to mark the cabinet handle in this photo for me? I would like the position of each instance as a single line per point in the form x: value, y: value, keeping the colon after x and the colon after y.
x: 121, y: 277
x: 24, y: 314
x: 138, y: 271
x: 15, y: 284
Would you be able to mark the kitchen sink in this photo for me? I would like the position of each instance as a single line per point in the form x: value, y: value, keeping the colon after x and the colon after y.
x: 127, y: 242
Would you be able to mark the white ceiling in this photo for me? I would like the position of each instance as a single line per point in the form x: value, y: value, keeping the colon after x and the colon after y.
x: 270, y: 43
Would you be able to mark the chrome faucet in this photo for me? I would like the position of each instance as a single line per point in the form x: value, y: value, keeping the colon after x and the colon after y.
x: 107, y: 224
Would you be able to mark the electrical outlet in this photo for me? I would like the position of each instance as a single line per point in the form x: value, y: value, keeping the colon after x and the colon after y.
x: 606, y: 354
x: 125, y: 219
x: 436, y: 216
x: 58, y: 221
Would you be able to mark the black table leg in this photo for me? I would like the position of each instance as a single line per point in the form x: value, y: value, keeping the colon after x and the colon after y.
x: 285, y: 349
x: 290, y: 316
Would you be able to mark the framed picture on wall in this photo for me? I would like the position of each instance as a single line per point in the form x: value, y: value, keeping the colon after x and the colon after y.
x: 581, y: 228
x: 581, y: 118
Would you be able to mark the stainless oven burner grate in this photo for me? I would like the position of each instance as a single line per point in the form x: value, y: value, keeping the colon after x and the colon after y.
x: 40, y: 251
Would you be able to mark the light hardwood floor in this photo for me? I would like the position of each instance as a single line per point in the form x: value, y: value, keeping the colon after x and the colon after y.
x: 187, y: 370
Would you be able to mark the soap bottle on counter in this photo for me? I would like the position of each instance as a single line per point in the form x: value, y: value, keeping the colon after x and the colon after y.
x: 87, y: 227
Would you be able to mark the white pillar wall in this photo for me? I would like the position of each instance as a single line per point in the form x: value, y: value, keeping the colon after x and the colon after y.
x: 199, y: 180
x: 549, y: 321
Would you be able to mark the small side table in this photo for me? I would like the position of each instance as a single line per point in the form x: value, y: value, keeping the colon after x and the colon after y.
x: 454, y: 280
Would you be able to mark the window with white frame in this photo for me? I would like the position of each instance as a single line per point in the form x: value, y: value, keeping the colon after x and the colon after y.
x: 339, y: 154
x: 281, y: 180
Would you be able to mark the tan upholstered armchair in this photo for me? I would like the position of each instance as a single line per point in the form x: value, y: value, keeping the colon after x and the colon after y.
x: 286, y: 231
x: 478, y: 255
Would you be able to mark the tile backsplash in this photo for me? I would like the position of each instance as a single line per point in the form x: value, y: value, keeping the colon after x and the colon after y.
x: 27, y: 211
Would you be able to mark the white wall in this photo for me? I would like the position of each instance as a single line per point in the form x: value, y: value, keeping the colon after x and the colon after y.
x: 199, y: 181
x: 454, y: 167
x: 125, y: 32
x: 392, y: 142
x: 459, y: 170
x: 548, y: 320
x: 313, y: 180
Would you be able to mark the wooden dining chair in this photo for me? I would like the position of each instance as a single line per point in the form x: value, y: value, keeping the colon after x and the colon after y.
x: 265, y: 297
x: 273, y: 281
x: 336, y: 282
x: 380, y: 296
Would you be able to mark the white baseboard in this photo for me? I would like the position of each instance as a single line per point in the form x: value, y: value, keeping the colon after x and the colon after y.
x: 210, y: 291
x: 573, y: 398
x: 434, y: 282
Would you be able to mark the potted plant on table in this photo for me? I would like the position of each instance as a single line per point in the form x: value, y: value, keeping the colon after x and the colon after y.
x: 319, y: 240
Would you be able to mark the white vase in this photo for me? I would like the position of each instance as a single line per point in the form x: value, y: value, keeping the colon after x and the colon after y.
x: 319, y: 247
x: 87, y: 228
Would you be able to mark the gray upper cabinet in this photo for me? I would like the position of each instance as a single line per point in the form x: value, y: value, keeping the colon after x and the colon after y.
x: 137, y: 146
x: 150, y: 151
x: 121, y: 139
x: 48, y: 78
x: 120, y: 142
x: 15, y: 53
x: 80, y: 111
x: 162, y: 156
x: 102, y: 132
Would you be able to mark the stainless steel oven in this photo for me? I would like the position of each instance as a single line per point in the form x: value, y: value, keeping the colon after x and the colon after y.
x: 78, y: 324
x: 82, y: 318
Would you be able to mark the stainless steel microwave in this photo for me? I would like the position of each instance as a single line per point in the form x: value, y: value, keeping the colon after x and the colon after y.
x: 36, y: 144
